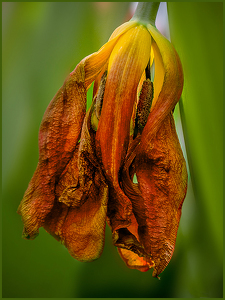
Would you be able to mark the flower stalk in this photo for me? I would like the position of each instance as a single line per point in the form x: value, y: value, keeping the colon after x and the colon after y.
x: 146, y: 12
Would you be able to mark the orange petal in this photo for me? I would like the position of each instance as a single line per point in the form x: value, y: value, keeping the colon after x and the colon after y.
x: 129, y: 56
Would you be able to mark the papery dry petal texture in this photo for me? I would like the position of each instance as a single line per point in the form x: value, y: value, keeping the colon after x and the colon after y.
x: 162, y: 180
x: 159, y: 163
x: 59, y: 133
x: 78, y: 221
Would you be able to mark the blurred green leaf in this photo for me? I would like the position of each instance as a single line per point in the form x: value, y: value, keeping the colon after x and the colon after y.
x: 197, y: 34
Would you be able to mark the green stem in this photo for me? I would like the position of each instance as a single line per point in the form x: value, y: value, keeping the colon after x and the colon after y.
x: 146, y: 12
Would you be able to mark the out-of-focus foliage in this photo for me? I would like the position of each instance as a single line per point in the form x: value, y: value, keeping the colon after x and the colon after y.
x: 42, y: 43
x: 197, y: 33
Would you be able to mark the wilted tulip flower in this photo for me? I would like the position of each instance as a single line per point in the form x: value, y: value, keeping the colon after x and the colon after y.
x: 120, y: 162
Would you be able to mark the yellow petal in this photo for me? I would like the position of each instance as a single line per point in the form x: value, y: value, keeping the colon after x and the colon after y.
x: 151, y: 57
x: 96, y: 61
x: 134, y: 45
x: 126, y: 65
x: 159, y: 73
x: 171, y: 88
x: 122, y: 28
x: 169, y: 66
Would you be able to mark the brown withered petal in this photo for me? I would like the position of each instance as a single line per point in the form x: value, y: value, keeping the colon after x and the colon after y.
x: 78, y: 217
x: 162, y: 180
x: 58, y: 135
x: 158, y: 197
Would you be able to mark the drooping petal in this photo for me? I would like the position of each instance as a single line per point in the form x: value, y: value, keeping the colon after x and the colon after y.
x: 95, y: 62
x: 78, y: 217
x: 158, y: 196
x: 120, y: 93
x: 159, y: 162
x: 59, y: 133
x: 170, y: 77
x: 162, y: 181
x: 129, y: 56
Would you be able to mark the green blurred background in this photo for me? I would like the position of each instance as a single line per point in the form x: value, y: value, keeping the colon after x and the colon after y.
x: 42, y: 43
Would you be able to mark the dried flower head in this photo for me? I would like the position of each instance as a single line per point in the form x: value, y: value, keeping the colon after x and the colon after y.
x: 88, y: 161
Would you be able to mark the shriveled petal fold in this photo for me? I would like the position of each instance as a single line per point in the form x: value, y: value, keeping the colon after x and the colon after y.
x: 159, y: 163
x: 158, y: 196
x: 78, y: 217
x: 58, y: 135
x: 162, y: 180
